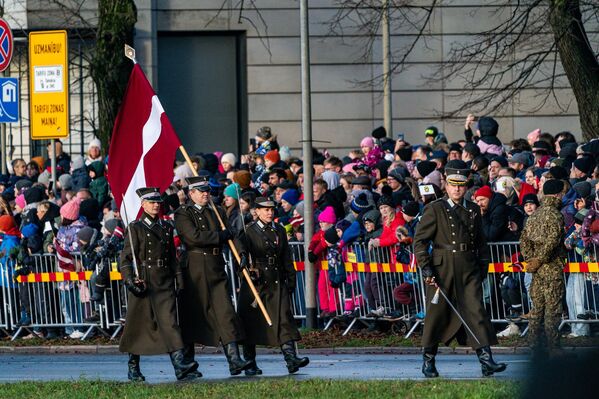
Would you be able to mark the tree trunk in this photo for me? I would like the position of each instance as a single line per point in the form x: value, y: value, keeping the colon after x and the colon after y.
x: 579, y: 62
x: 109, y: 68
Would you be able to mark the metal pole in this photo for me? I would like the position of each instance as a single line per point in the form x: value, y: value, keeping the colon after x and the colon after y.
x: 388, y: 118
x: 3, y: 143
x: 53, y: 165
x: 311, y: 310
x: 81, y: 99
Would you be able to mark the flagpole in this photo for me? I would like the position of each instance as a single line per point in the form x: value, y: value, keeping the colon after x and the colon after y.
x: 246, y: 275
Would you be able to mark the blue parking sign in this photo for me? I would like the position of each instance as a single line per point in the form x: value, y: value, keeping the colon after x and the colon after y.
x: 9, y: 100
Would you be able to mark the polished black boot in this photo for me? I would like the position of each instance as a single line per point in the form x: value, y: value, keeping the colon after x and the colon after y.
x: 489, y: 367
x: 236, y: 363
x: 249, y: 354
x: 294, y: 363
x: 428, y: 365
x: 189, y: 352
x: 186, y: 371
x: 134, y: 374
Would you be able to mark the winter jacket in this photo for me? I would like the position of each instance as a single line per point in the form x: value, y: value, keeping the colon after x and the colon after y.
x: 388, y: 237
x: 98, y: 186
x: 495, y: 219
x: 81, y: 179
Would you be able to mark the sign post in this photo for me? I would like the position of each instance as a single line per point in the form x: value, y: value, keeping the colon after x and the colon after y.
x: 6, y: 48
x: 49, y: 88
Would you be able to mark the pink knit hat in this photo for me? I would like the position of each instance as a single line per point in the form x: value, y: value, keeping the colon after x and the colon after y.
x: 70, y: 210
x: 20, y: 201
x: 328, y: 215
x: 367, y: 142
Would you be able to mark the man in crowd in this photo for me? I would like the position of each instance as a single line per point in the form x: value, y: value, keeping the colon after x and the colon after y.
x: 453, y: 227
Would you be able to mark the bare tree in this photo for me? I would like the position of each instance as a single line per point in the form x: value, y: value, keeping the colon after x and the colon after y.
x: 538, y: 45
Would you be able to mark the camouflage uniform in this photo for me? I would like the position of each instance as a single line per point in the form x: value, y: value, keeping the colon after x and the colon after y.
x: 542, y: 243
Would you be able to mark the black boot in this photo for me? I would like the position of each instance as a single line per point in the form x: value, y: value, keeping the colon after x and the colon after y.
x: 134, y: 374
x: 236, y: 363
x: 428, y: 366
x: 189, y: 352
x: 249, y: 354
x: 485, y: 357
x: 184, y: 370
x: 293, y: 362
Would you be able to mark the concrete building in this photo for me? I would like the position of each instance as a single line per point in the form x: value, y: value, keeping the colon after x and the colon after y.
x: 221, y: 73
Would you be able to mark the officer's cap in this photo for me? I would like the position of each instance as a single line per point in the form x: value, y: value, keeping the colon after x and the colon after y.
x: 457, y: 173
x: 262, y: 202
x: 200, y: 183
x: 151, y: 194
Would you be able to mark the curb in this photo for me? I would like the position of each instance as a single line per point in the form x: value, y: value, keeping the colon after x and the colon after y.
x: 374, y: 350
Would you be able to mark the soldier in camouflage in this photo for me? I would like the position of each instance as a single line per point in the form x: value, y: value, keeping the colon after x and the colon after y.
x: 541, y: 244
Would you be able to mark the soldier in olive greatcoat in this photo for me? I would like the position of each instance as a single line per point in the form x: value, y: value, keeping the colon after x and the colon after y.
x: 451, y: 250
x: 206, y: 311
x: 149, y: 269
x: 274, y: 277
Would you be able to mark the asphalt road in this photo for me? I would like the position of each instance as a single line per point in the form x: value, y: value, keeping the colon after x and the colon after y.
x: 158, y: 369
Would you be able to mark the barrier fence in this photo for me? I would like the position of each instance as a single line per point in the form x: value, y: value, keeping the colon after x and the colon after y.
x: 382, y: 285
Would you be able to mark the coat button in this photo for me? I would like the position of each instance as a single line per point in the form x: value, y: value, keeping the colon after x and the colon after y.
x: 148, y: 235
x: 453, y: 242
x: 453, y: 250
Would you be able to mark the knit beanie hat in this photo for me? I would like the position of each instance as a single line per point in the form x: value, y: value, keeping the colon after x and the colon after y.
x: 33, y: 195
x: 343, y: 225
x: 583, y: 189
x: 291, y: 196
x: 424, y: 168
x: 70, y: 210
x: 232, y: 190
x: 66, y: 181
x: 95, y: 143
x: 90, y: 209
x: 553, y: 186
x: 30, y: 230
x: 77, y: 163
x: 584, y: 164
x: 23, y: 183
x: 229, y: 158
x: 299, y: 208
x: 411, y: 209
x: 44, y: 178
x: 328, y: 215
x: 20, y: 201
x: 272, y: 156
x: 111, y: 225
x: 86, y: 234
x: 331, y: 236
x: 243, y: 178
x: 360, y: 203
x: 385, y: 200
x: 484, y: 191
x: 367, y: 142
x: 558, y: 172
x: 372, y: 216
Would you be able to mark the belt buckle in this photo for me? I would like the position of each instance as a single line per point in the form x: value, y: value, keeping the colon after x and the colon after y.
x: 271, y: 260
x: 463, y: 247
x: 160, y: 263
x: 214, y: 251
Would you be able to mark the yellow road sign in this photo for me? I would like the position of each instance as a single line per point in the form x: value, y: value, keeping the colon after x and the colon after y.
x: 48, y: 84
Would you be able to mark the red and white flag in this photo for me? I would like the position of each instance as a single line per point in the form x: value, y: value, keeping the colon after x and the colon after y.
x: 66, y: 261
x: 143, y: 145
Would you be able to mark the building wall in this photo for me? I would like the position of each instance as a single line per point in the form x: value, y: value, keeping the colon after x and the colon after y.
x: 344, y: 111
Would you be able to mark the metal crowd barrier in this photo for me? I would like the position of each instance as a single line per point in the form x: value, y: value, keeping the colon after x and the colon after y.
x: 378, y: 289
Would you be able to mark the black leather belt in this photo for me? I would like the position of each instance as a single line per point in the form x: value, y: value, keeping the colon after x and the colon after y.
x: 158, y: 262
x: 460, y: 247
x: 207, y: 251
x: 270, y: 260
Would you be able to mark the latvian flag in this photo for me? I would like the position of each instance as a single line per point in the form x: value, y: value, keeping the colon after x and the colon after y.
x: 143, y: 145
x: 65, y: 259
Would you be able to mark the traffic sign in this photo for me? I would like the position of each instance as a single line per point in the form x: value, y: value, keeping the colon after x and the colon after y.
x: 9, y: 100
x: 5, y: 45
x: 48, y: 84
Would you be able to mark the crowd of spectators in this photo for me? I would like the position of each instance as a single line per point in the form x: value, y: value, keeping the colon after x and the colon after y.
x: 372, y: 196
